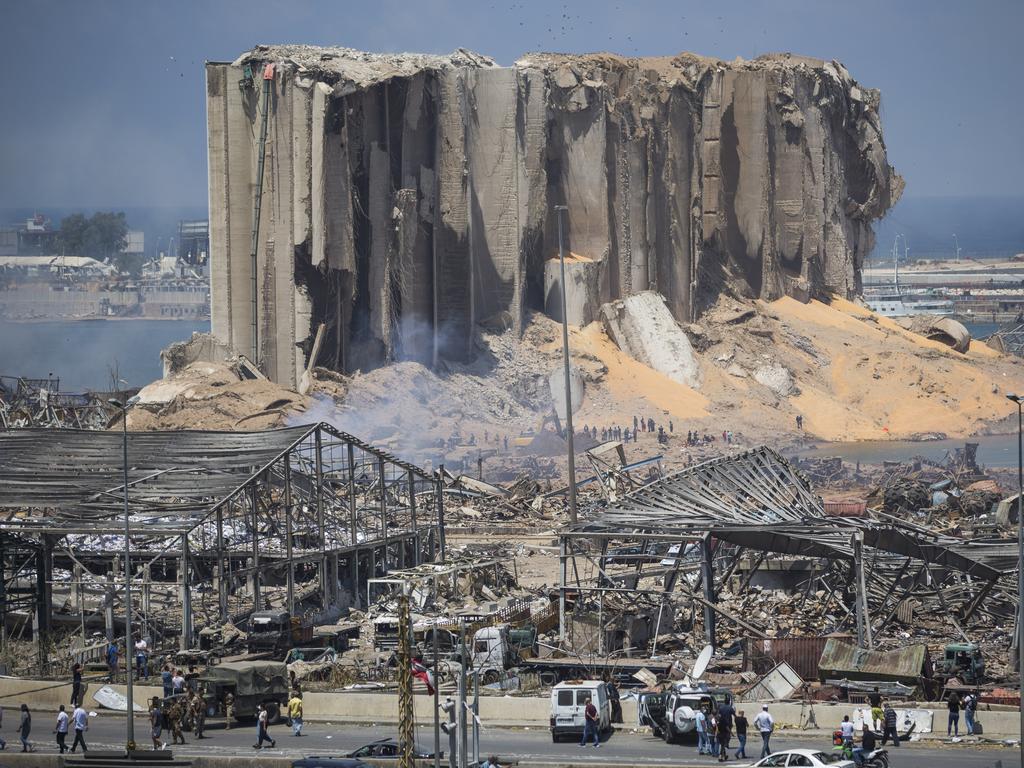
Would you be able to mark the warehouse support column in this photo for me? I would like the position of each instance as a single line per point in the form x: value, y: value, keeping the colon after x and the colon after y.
x: 416, y: 559
x: 186, y: 595
x: 222, y: 569
x: 254, y: 574
x: 382, y: 487
x: 326, y: 586
x: 288, y: 534
x: 44, y: 594
x: 707, y: 570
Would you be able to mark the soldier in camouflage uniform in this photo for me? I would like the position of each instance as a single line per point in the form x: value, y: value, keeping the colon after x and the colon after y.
x: 198, y: 714
x: 175, y: 716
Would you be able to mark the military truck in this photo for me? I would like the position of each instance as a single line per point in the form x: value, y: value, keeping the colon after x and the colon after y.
x: 964, y: 662
x: 251, y: 683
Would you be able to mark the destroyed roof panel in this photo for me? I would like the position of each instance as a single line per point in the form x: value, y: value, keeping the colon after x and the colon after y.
x: 843, y: 660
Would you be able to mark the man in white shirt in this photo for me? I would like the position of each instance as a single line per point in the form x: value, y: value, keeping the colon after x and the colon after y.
x: 178, y: 682
x: 765, y: 724
x: 62, y: 729
x: 80, y: 720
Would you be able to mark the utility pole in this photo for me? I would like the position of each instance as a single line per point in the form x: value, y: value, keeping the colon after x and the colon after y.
x: 130, y: 735
x: 463, y: 735
x: 406, y: 735
x: 559, y: 210
x: 1019, y: 637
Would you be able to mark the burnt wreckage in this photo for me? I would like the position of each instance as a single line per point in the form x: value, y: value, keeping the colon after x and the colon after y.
x: 366, y: 208
x: 681, y: 542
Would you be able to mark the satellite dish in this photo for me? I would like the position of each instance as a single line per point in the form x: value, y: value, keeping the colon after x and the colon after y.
x: 701, y: 664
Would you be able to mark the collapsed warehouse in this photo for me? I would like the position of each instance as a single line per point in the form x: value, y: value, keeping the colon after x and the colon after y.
x: 221, y: 525
x: 738, y: 552
x: 367, y: 208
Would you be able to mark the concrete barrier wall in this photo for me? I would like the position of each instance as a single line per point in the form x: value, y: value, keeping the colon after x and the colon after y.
x: 495, y: 711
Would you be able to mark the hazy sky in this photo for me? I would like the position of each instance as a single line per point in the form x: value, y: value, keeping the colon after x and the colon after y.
x: 103, y: 102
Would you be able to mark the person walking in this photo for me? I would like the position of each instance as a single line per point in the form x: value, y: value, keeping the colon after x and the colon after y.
x: 295, y: 713
x: 953, y: 724
x: 701, y: 723
x: 76, y: 684
x: 198, y: 706
x: 765, y: 724
x: 262, y: 723
x: 175, y: 716
x: 3, y: 744
x: 970, y: 707
x: 62, y: 729
x: 156, y: 724
x: 590, y: 724
x: 80, y: 721
x: 25, y: 728
x: 741, y: 734
x: 889, y: 725
x: 726, y: 715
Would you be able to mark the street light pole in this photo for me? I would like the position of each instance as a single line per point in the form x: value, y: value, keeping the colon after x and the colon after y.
x: 559, y: 210
x: 129, y: 699
x: 1020, y: 560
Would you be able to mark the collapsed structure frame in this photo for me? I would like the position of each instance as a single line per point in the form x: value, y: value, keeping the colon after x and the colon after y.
x: 310, y: 507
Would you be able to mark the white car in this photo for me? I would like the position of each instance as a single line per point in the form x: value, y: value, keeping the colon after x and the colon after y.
x: 804, y: 758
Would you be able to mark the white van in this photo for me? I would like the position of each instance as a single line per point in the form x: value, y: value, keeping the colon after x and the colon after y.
x: 568, y: 702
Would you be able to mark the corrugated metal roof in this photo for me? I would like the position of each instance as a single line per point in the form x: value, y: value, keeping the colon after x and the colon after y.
x: 843, y: 660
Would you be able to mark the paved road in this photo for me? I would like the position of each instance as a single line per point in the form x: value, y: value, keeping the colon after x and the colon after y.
x: 526, y: 745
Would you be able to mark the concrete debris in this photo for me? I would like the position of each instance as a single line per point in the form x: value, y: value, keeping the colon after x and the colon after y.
x: 642, y: 327
x: 944, y: 330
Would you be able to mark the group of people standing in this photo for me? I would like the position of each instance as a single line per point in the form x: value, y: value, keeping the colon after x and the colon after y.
x: 716, y: 727
x: 969, y: 705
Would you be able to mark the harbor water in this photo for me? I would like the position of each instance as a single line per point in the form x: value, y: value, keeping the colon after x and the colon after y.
x: 91, y: 354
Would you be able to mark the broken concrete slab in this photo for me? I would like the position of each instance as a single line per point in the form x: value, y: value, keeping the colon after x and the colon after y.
x: 642, y: 327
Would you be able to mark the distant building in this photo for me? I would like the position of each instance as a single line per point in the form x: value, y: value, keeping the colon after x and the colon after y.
x: 8, y: 241
x: 37, y: 237
x: 135, y: 242
x: 194, y: 242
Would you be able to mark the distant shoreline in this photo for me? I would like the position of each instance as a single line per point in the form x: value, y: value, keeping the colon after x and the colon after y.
x: 100, y: 318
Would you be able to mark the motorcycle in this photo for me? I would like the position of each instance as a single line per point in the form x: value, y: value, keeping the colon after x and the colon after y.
x: 878, y: 758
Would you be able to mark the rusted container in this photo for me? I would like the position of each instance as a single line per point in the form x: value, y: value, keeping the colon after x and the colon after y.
x: 801, y: 653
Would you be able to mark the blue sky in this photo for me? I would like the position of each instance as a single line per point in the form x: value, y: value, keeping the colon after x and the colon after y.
x: 104, y: 101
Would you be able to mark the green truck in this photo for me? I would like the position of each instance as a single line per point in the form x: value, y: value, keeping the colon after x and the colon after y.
x: 251, y: 683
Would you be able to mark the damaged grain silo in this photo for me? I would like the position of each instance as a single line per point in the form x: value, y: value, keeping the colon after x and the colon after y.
x: 406, y: 198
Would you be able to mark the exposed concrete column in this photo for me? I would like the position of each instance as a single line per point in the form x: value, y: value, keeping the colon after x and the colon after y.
x: 864, y: 638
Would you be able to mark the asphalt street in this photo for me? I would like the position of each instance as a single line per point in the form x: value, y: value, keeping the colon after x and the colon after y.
x: 524, y: 745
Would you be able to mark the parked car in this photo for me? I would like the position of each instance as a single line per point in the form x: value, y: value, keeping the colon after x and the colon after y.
x: 389, y: 748
x: 318, y: 761
x: 801, y: 758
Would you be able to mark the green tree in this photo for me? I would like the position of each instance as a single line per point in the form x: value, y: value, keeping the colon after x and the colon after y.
x: 72, y: 234
x: 102, y: 236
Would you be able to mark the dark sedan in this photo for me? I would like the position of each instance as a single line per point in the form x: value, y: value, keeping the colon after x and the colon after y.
x: 384, y: 748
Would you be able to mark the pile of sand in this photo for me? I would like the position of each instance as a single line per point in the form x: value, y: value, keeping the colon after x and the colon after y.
x: 850, y: 374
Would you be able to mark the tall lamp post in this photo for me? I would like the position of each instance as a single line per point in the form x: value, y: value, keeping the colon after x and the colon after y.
x: 127, y: 572
x: 559, y: 210
x: 1020, y: 559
